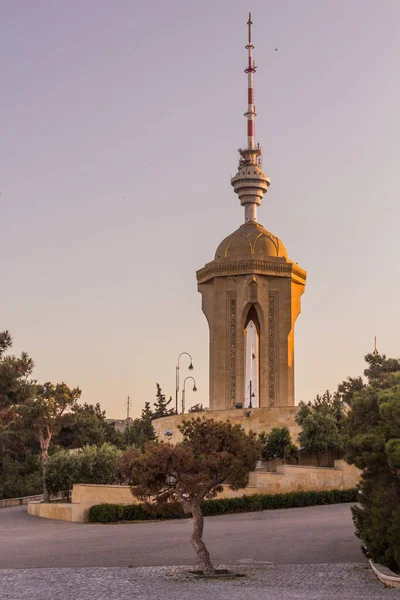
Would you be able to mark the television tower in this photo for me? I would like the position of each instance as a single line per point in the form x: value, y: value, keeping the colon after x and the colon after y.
x: 250, y: 182
x: 128, y: 407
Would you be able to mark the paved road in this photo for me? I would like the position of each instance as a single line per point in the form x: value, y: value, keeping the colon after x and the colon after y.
x: 312, y: 535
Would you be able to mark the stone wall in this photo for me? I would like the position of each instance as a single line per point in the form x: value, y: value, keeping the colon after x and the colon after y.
x: 287, y: 478
x: 254, y: 419
x: 78, y: 513
x: 20, y: 501
x: 99, y: 494
x: 83, y: 497
x: 293, y: 478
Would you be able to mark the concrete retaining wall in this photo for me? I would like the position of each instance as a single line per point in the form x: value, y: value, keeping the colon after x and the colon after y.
x: 78, y: 513
x: 20, y: 501
x: 288, y: 478
x: 83, y: 497
x: 254, y: 419
x: 99, y: 494
x: 293, y: 478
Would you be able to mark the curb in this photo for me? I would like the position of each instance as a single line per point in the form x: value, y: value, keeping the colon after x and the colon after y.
x: 385, y: 575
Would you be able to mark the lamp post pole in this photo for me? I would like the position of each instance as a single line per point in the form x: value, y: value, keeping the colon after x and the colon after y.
x: 252, y: 395
x: 177, y: 378
x: 183, y: 391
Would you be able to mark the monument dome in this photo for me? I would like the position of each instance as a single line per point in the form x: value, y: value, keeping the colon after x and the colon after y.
x: 251, y: 241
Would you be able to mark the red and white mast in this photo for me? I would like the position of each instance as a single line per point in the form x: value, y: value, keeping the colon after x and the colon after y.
x: 250, y: 182
x: 251, y: 109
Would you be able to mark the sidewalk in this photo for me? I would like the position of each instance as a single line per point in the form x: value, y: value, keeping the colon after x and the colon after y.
x: 272, y: 582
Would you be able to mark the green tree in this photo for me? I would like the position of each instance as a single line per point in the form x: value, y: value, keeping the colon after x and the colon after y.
x: 372, y: 437
x: 62, y: 472
x: 327, y: 404
x: 90, y: 464
x: 381, y: 371
x: 86, y: 424
x: 319, y: 434
x: 161, y: 405
x: 277, y: 444
x: 44, y: 413
x: 15, y: 386
x: 20, y: 477
x: 15, y: 389
x: 321, y: 424
x: 212, y: 453
x: 83, y: 425
x: 139, y: 433
x: 348, y: 388
x: 99, y: 465
x: 147, y: 413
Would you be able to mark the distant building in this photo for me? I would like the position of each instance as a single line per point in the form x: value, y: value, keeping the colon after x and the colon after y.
x: 120, y: 424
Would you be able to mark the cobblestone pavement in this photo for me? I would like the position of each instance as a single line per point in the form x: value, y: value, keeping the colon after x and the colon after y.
x: 270, y: 582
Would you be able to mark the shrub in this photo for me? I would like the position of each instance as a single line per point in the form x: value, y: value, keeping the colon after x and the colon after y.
x: 135, y: 512
x: 107, y: 513
x: 91, y: 464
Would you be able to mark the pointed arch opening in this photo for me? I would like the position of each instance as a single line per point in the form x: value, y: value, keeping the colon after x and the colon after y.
x: 251, y: 359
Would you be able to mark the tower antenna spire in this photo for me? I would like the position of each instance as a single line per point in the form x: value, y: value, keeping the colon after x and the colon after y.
x: 251, y: 109
x: 250, y: 182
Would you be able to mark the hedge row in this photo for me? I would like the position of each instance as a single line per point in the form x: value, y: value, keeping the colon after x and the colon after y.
x: 110, y: 513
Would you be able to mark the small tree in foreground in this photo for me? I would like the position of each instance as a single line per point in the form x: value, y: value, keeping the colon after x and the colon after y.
x: 212, y: 453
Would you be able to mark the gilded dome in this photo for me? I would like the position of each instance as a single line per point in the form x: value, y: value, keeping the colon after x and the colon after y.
x: 251, y: 240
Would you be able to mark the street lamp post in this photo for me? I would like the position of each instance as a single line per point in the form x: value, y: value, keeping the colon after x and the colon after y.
x: 177, y: 378
x: 183, y: 391
x: 252, y: 395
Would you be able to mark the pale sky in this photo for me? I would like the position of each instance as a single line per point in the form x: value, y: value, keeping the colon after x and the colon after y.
x: 120, y: 124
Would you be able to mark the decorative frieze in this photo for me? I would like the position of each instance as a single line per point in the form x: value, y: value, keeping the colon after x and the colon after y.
x: 273, y: 347
x: 216, y: 269
x: 232, y: 346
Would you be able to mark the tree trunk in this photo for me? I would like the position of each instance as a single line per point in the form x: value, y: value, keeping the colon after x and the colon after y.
x: 44, y: 453
x: 197, y: 542
x: 46, y: 497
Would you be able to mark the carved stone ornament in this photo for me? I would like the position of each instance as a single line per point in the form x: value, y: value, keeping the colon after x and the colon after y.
x: 232, y: 346
x: 273, y: 346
